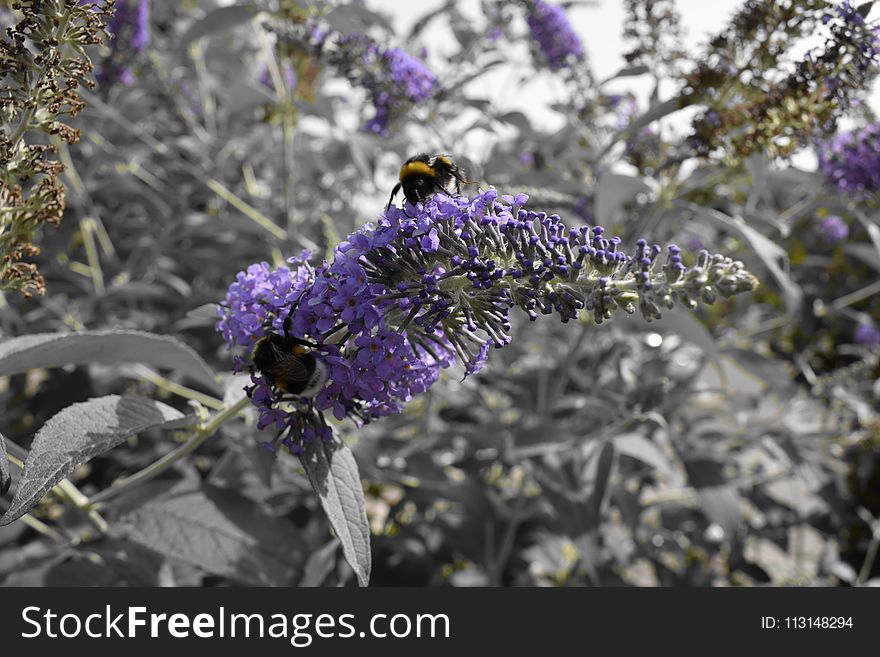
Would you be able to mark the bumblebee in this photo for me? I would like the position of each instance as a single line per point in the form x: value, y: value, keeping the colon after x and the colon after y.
x: 423, y: 175
x: 290, y: 364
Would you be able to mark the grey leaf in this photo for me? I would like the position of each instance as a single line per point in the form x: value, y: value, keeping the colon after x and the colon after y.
x: 104, y: 347
x: 219, y: 531
x: 334, y: 476
x: 76, y: 434
x: 320, y: 563
x: 5, y: 477
x: 613, y: 192
x: 604, y: 462
x: 773, y: 256
x: 217, y: 21
x: 639, y: 447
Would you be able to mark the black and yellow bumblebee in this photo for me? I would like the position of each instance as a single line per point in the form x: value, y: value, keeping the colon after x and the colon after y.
x: 290, y: 363
x: 423, y: 175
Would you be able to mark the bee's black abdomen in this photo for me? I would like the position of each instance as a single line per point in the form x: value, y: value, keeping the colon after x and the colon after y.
x: 274, y: 356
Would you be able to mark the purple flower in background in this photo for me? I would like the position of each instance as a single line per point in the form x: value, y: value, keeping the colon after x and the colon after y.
x: 851, y: 161
x: 833, y: 229
x: 408, y: 82
x: 410, y: 75
x: 867, y: 334
x: 130, y: 29
x: 394, y: 79
x: 554, y: 34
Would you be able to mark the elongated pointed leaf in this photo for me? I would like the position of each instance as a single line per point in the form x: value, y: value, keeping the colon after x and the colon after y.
x: 333, y: 473
x: 103, y: 347
x: 638, y: 447
x: 219, y: 20
x: 628, y: 72
x: 654, y: 113
x: 78, y: 433
x: 770, y: 253
x: 220, y: 531
x: 5, y: 477
x: 601, y: 477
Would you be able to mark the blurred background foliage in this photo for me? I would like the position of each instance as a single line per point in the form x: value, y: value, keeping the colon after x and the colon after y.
x: 736, y: 446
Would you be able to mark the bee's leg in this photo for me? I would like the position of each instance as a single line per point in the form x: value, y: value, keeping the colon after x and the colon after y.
x: 303, y: 342
x: 393, y: 194
x: 459, y: 177
x: 440, y: 188
x: 287, y: 319
x: 419, y: 199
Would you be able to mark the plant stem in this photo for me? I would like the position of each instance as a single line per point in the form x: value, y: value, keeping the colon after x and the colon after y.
x: 172, y: 457
x: 175, y: 388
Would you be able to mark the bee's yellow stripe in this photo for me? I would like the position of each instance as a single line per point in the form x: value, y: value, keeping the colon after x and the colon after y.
x: 445, y: 160
x: 415, y: 168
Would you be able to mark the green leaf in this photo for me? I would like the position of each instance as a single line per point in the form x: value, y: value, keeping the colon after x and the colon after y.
x: 45, y: 350
x: 220, y: 531
x: 334, y: 476
x: 219, y: 20
x: 78, y: 433
x: 5, y: 477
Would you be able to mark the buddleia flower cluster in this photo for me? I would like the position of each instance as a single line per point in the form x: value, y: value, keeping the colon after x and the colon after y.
x: 430, y: 286
x: 130, y: 35
x: 395, y: 80
x: 653, y: 30
x: 553, y: 34
x: 43, y: 62
x: 773, y: 105
x: 851, y: 161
